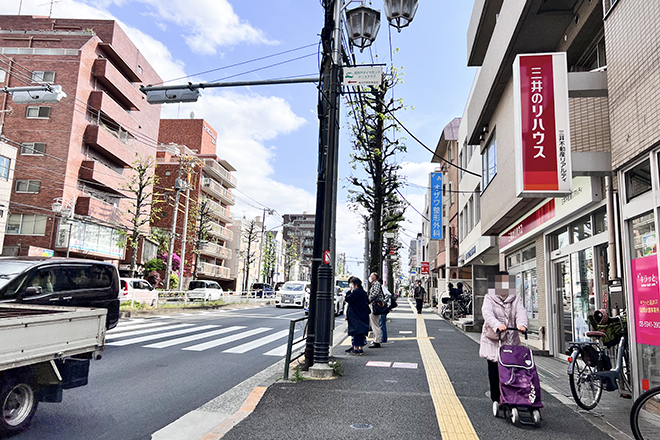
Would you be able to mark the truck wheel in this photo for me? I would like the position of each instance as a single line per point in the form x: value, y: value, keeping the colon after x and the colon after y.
x: 18, y: 403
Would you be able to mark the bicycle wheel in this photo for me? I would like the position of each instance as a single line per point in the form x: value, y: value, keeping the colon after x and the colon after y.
x: 585, y: 386
x: 645, y: 415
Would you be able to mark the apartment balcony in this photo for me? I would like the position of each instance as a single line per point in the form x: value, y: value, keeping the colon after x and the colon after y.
x: 92, y: 171
x: 99, y: 100
x: 91, y: 207
x: 116, y: 84
x: 120, y: 62
x: 221, y: 232
x: 211, y: 270
x: 213, y: 168
x: 109, y: 142
x: 217, y: 210
x: 215, y: 250
x: 213, y: 188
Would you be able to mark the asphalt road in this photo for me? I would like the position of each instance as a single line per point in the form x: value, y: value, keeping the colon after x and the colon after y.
x: 150, y: 375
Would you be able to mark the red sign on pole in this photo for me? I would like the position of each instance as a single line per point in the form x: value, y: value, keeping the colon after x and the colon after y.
x: 425, y: 268
x: 542, y: 136
x: 326, y: 257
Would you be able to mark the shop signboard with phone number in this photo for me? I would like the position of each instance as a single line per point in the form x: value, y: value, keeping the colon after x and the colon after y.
x: 646, y: 297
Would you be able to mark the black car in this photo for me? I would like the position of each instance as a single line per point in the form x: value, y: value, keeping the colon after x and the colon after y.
x: 262, y: 290
x: 61, y: 282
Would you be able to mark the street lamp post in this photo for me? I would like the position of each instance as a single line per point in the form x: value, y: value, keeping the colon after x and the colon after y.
x: 65, y: 209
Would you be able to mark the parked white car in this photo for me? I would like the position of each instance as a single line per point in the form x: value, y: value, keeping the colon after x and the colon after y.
x: 292, y: 294
x: 136, y: 289
x: 205, y: 290
x: 339, y: 302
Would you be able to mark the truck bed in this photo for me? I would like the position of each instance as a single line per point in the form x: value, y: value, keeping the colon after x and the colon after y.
x: 30, y: 334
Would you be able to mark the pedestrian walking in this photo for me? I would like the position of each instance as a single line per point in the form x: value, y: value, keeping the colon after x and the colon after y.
x: 383, y: 317
x: 502, y: 308
x: 419, y: 294
x: 375, y: 296
x: 357, y: 315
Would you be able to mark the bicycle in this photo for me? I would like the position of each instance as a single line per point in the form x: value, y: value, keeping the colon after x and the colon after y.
x: 457, y: 306
x: 645, y: 415
x: 590, y: 366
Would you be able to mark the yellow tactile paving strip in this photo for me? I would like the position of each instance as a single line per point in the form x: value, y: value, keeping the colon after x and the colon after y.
x: 453, y: 421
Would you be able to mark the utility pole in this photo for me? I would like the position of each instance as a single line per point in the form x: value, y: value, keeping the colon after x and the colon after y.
x: 184, y: 234
x: 321, y: 296
x: 177, y: 188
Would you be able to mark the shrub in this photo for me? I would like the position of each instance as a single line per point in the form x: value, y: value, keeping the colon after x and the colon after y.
x: 154, y: 265
x: 174, y: 281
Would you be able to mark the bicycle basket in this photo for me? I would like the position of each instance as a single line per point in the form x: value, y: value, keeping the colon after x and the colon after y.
x: 614, y: 329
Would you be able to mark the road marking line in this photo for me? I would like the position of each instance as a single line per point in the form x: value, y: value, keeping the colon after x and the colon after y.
x: 160, y: 335
x: 379, y: 364
x: 134, y: 327
x: 191, y: 338
x: 412, y: 366
x: 453, y: 421
x: 142, y: 332
x: 248, y: 407
x: 227, y: 340
x: 281, y: 350
x: 258, y: 343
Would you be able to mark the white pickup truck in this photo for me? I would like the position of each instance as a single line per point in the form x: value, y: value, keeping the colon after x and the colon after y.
x: 44, y: 350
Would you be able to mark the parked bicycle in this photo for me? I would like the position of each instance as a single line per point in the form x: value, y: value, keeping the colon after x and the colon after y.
x: 590, y: 363
x: 459, y: 302
x: 645, y: 415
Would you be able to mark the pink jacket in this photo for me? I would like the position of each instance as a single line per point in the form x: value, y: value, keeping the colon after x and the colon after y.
x: 497, y: 311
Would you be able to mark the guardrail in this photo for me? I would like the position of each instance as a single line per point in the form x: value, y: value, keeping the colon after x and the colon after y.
x: 296, y: 323
x: 182, y: 296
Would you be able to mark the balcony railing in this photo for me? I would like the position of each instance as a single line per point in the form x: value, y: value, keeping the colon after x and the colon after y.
x: 213, y: 167
x: 218, y: 190
x: 218, y: 210
x: 215, y: 250
x: 222, y: 232
x: 212, y: 270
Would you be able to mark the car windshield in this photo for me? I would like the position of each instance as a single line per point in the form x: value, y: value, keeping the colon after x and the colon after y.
x: 10, y: 269
x: 343, y: 284
x: 196, y: 285
x: 295, y: 287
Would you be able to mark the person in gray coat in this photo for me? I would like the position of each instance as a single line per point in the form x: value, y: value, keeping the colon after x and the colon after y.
x: 375, y: 294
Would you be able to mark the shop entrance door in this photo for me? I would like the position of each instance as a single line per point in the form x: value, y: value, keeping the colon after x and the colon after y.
x: 563, y: 304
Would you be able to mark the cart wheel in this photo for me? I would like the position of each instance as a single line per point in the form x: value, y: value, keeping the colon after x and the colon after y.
x: 515, y: 417
x: 536, y: 416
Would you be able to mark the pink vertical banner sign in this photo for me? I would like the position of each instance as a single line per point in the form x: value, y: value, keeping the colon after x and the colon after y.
x: 646, y: 295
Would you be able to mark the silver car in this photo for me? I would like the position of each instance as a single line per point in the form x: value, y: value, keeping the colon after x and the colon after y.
x: 292, y: 294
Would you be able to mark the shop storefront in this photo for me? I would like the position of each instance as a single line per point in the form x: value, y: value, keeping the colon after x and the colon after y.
x: 556, y: 252
x: 640, y: 200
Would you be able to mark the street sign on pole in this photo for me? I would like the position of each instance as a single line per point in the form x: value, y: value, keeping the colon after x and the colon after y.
x: 424, y: 268
x: 388, y: 235
x: 363, y: 76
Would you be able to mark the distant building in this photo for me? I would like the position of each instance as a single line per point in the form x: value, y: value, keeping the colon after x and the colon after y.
x: 299, y: 230
x: 211, y: 182
x: 79, y: 150
x: 7, y: 164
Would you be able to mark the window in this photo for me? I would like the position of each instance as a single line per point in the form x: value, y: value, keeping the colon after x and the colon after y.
x: 600, y: 221
x: 27, y: 186
x: 581, y: 228
x: 43, y: 76
x: 642, y: 233
x: 560, y: 239
x: 26, y: 224
x: 471, y: 214
x: 3, y: 75
x: 529, y: 254
x: 451, y: 193
x: 38, y: 112
x: 462, y: 230
x: 477, y: 206
x: 489, y: 162
x: 33, y: 148
x: 638, y: 180
x: 5, y: 165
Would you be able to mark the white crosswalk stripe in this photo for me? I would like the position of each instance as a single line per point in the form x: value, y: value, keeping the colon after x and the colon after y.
x: 161, y: 335
x: 191, y: 338
x: 244, y: 348
x: 143, y: 331
x: 126, y: 328
x: 226, y: 340
x: 281, y: 350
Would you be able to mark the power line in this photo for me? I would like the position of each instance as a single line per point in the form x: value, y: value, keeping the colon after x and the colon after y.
x: 411, y: 205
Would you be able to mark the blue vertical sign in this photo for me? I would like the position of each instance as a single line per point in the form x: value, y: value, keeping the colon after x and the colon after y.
x: 436, y: 206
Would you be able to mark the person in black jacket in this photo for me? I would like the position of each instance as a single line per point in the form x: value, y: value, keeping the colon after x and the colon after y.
x: 419, y: 296
x: 357, y: 315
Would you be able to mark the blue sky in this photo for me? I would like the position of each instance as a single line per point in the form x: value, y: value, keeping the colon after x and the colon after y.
x: 270, y: 133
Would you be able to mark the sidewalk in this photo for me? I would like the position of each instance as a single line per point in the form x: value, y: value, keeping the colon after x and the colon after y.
x: 427, y: 382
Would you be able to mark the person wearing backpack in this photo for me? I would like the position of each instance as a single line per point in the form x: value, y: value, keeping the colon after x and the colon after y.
x: 419, y: 296
x: 376, y: 299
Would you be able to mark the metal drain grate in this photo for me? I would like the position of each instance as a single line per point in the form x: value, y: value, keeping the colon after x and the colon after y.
x: 361, y: 426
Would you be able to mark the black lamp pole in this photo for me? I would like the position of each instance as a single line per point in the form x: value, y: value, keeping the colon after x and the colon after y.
x: 321, y: 296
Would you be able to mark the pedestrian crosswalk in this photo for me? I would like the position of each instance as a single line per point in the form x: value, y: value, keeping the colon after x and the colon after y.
x: 236, y: 339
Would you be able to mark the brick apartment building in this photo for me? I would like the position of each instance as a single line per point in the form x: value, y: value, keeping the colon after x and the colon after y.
x: 78, y: 150
x: 211, y: 182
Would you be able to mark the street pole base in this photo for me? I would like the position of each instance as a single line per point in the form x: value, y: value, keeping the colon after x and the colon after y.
x: 321, y: 371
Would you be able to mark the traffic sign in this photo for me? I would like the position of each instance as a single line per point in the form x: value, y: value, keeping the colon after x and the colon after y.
x: 326, y: 257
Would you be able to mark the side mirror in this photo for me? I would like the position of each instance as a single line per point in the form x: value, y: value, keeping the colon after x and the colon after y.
x: 31, y: 291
